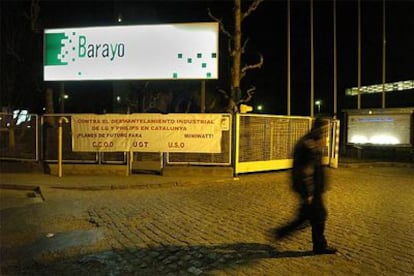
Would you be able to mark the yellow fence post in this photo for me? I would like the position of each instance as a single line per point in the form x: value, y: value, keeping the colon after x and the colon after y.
x: 61, y: 120
x: 130, y: 159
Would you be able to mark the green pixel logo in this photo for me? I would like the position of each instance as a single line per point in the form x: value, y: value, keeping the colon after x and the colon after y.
x: 198, y: 61
x: 59, y: 48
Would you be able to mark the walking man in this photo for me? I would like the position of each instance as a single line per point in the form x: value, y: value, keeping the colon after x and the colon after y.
x: 308, y: 182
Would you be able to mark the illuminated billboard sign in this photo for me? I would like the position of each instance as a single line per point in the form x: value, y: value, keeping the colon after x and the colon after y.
x: 379, y: 129
x: 169, y: 51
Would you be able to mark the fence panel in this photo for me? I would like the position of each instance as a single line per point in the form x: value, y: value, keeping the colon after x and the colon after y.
x: 19, y: 137
x: 265, y: 142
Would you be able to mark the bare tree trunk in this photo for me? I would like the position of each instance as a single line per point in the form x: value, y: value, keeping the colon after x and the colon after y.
x: 237, y: 44
x: 235, y: 82
x: 49, y: 106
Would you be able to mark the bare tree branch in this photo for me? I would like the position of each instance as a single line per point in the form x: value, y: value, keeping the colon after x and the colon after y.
x: 13, y: 37
x: 244, y: 45
x: 227, y: 33
x: 224, y: 92
x: 10, y: 50
x: 34, y: 15
x: 232, y: 106
x: 249, y: 93
x: 229, y: 48
x: 252, y: 66
x: 251, y: 8
x: 212, y: 105
x: 251, y: 90
x: 224, y: 31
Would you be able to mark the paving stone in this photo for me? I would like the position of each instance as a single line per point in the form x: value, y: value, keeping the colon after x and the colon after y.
x: 221, y: 229
x: 194, y: 270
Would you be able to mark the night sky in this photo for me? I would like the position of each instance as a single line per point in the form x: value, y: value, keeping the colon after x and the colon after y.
x: 266, y: 30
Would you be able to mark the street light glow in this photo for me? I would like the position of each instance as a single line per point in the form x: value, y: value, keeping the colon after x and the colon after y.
x: 318, y: 103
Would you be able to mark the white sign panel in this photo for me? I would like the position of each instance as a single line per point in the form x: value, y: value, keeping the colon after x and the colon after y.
x: 390, y: 129
x: 173, y: 51
x: 148, y: 132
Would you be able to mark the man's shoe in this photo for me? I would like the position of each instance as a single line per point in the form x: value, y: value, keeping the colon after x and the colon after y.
x: 324, y: 250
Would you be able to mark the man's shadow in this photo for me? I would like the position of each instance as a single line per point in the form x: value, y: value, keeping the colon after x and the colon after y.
x: 165, y: 259
x: 200, y: 259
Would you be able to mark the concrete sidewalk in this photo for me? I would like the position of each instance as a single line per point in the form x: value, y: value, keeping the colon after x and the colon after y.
x: 114, y: 177
x: 101, y: 182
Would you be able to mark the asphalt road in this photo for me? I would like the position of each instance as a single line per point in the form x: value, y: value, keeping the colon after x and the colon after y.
x: 213, y: 228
